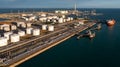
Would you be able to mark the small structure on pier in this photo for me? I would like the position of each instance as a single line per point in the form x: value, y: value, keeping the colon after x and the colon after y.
x: 87, y: 34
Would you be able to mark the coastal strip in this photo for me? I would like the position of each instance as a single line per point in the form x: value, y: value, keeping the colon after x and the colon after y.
x: 50, y: 46
x: 41, y: 51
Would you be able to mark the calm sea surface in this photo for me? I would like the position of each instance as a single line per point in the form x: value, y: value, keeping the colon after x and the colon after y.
x: 102, y: 51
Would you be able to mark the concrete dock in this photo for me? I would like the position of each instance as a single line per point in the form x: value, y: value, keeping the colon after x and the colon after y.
x: 37, y: 45
x: 51, y: 45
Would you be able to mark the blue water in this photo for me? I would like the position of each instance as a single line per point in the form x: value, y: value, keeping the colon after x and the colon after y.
x: 102, y: 51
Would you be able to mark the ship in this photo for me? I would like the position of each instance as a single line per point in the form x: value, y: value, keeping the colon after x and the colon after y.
x: 111, y: 22
x: 99, y: 26
x: 92, y: 35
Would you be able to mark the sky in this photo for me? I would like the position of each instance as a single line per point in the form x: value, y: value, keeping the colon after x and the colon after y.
x: 59, y: 3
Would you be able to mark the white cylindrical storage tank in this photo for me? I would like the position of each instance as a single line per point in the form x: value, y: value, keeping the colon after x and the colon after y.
x: 29, y: 30
x: 36, y: 32
x: 66, y: 11
x: 48, y: 20
x: 7, y: 35
x: 63, y: 16
x: 26, y: 19
x: 43, y: 19
x: 44, y: 27
x: 56, y: 11
x: 3, y: 41
x: 19, y: 23
x: 60, y: 20
x: 6, y: 28
x: 43, y: 15
x: 28, y: 24
x: 50, y: 28
x: 23, y: 25
x: 14, y: 37
x: 68, y: 19
x: 64, y: 20
x: 21, y: 33
x: 4, y: 25
x: 13, y: 27
x: 71, y: 18
x: 54, y: 21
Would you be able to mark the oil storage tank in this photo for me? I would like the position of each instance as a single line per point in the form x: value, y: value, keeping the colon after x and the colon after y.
x: 60, y: 20
x: 28, y: 24
x: 44, y: 27
x: 21, y: 33
x: 3, y: 41
x: 29, y: 30
x: 36, y: 32
x: 13, y: 27
x: 7, y: 35
x: 14, y: 37
x: 6, y: 28
x: 23, y: 25
x: 50, y: 28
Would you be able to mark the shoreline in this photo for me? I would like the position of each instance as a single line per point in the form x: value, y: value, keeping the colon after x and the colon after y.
x: 48, y: 47
x: 41, y: 51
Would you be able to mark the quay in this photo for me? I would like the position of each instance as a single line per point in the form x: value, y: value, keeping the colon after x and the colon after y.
x: 28, y: 49
x: 68, y: 35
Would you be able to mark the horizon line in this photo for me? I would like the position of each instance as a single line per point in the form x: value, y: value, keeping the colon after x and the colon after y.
x: 53, y: 8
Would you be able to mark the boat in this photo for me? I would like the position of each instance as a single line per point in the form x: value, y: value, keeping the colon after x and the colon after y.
x: 99, y: 26
x: 92, y: 35
x: 111, y: 22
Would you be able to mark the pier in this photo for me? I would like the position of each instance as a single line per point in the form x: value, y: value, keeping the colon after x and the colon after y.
x: 89, y: 32
x: 18, y: 53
